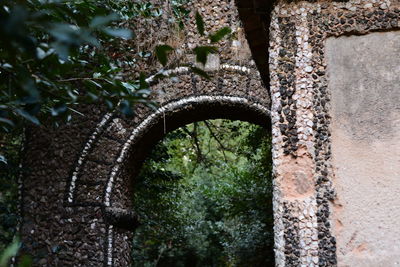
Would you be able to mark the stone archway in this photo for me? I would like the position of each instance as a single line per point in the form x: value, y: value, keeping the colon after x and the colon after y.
x: 70, y: 196
x: 91, y: 221
x: 65, y: 216
x: 117, y: 197
x: 113, y: 195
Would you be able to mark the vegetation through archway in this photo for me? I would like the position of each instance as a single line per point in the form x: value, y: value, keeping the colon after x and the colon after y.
x: 204, y: 198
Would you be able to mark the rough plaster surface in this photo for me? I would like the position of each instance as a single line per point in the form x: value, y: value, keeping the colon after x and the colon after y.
x: 297, y: 176
x: 364, y: 79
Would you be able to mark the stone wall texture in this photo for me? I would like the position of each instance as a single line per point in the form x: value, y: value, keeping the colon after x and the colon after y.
x: 77, y: 195
x: 334, y: 101
x: 365, y: 140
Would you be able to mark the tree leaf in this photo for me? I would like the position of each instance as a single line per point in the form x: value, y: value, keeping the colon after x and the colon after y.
x: 126, y: 109
x: 99, y: 21
x: 130, y: 86
x: 59, y: 109
x: 27, y: 116
x: 199, y: 23
x: 161, y: 53
x: 7, y: 121
x: 142, y: 81
x: 3, y: 159
x: 200, y: 72
x: 202, y: 52
x: 92, y: 82
x: 9, y: 252
x: 121, y: 33
x: 220, y: 34
x: 25, y: 261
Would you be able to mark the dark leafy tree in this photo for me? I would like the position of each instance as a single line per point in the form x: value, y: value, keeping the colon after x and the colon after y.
x: 205, y: 198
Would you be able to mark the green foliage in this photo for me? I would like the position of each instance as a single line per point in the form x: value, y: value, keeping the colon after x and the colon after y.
x: 53, y: 56
x: 161, y: 53
x: 180, y: 12
x: 205, y: 198
x: 48, y: 50
x: 199, y: 23
x: 9, y: 172
x: 220, y: 34
x: 202, y: 52
x: 8, y: 253
x: 200, y: 72
x: 11, y: 251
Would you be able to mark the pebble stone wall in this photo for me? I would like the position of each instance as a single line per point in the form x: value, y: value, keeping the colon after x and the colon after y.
x: 77, y: 196
x: 304, y: 192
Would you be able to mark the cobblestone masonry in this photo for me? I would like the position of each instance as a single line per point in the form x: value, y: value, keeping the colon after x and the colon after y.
x: 77, y: 200
x: 76, y: 197
x: 301, y: 119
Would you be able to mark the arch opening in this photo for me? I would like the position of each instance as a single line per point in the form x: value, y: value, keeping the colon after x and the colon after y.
x: 185, y: 111
x: 206, y: 188
x: 118, y: 207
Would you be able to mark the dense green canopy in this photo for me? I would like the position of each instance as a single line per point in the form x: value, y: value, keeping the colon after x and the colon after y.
x: 204, y: 198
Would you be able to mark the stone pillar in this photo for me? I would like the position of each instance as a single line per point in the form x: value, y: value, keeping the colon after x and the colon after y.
x: 306, y: 203
x: 295, y: 206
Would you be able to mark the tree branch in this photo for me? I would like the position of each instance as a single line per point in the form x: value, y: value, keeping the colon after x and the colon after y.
x: 218, y: 141
x: 200, y: 157
x: 195, y: 143
x: 79, y: 79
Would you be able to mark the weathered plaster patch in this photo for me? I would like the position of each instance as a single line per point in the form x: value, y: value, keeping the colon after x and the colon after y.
x: 365, y: 141
x: 297, y: 176
x: 361, y: 249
